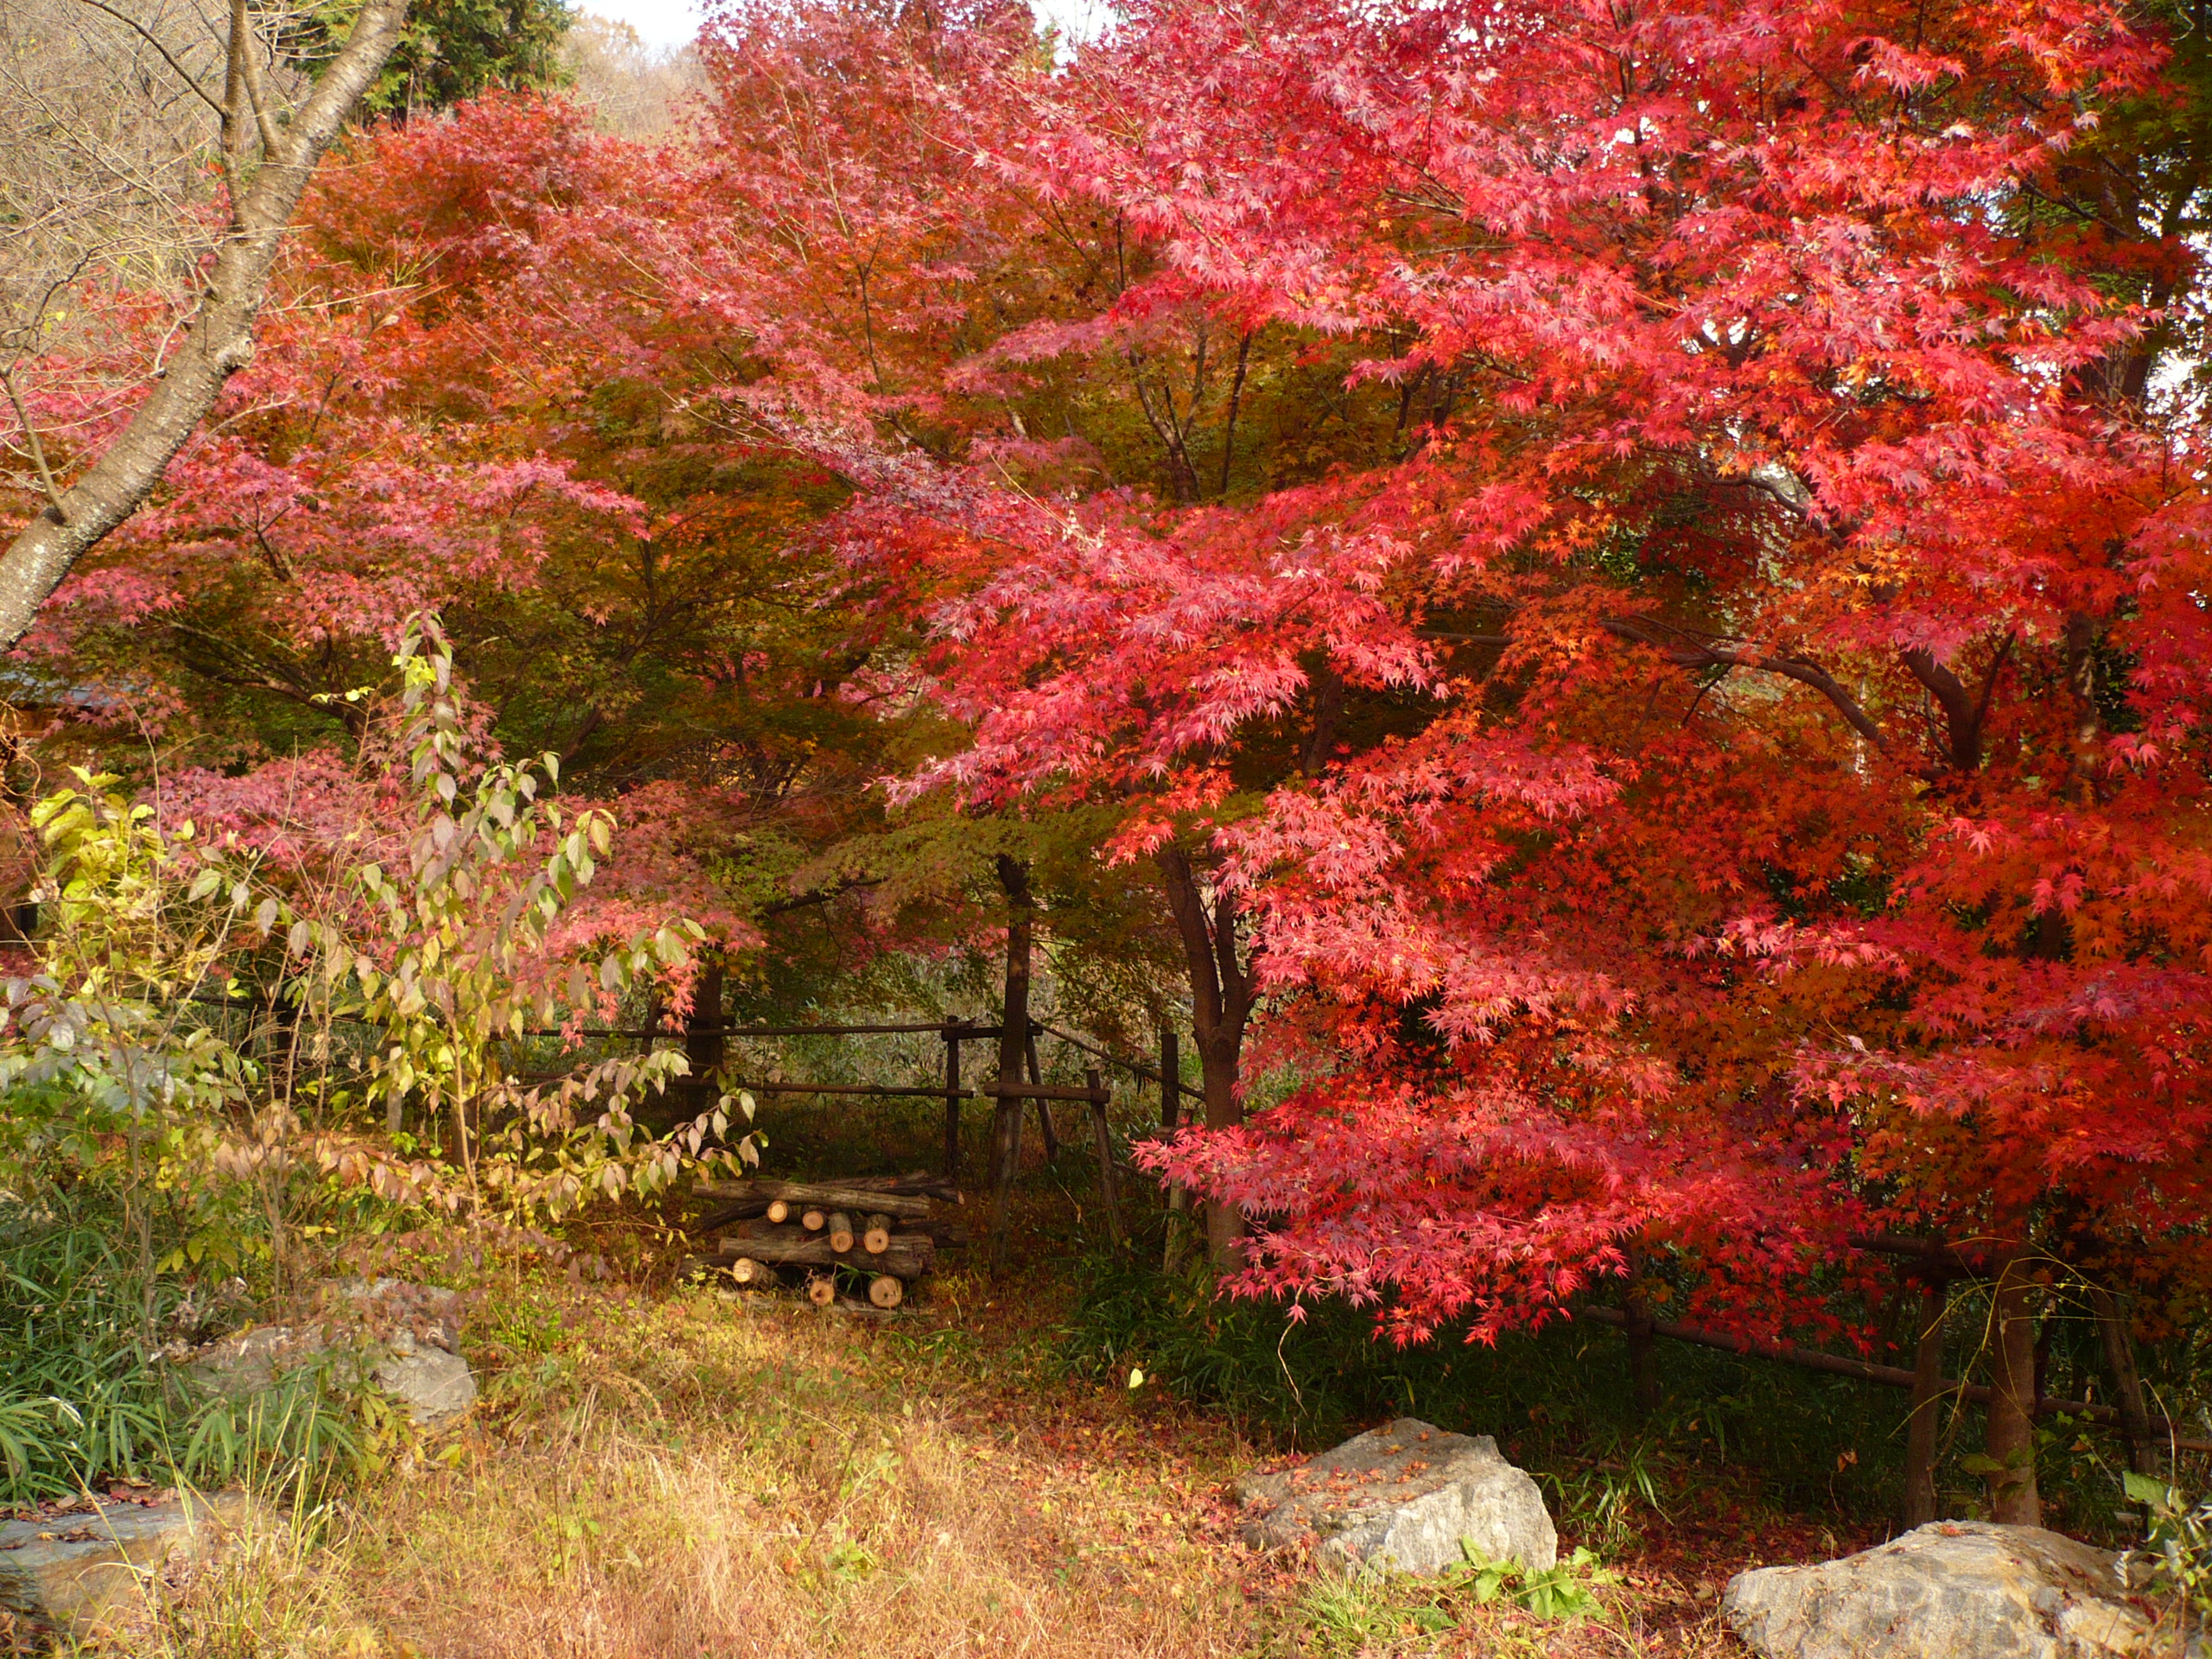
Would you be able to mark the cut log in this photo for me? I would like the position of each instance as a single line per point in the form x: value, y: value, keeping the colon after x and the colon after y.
x: 828, y: 1197
x: 779, y: 1210
x: 886, y: 1291
x: 909, y: 1255
x: 821, y: 1289
x: 814, y: 1220
x: 840, y: 1231
x: 747, y: 1271
x: 917, y: 1183
x: 721, y: 1217
x: 877, y: 1238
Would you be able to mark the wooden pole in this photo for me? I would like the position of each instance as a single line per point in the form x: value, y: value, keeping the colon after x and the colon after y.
x: 1108, y: 1187
x: 1013, y: 1031
x: 1642, y: 1358
x: 1044, y: 1106
x: 1919, y: 1506
x: 952, y: 1101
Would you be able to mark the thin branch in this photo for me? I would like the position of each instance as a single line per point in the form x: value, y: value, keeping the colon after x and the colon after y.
x: 138, y: 28
x: 38, y: 450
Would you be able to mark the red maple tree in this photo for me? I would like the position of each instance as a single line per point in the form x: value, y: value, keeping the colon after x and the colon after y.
x: 1726, y: 777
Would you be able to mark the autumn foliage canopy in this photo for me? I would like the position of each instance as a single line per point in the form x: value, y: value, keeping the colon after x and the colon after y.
x: 1643, y: 562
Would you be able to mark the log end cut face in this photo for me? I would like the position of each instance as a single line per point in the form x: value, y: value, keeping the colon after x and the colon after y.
x: 1405, y: 1497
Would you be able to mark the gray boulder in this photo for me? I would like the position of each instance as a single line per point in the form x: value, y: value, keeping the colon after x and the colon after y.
x: 1403, y: 1497
x: 403, y: 1337
x: 436, y: 1386
x: 1952, y: 1589
x: 85, y: 1572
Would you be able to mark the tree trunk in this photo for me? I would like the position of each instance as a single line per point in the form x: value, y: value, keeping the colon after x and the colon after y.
x: 1170, y: 1113
x: 1014, y: 1034
x: 220, y: 340
x: 2127, y: 1381
x: 702, y: 1038
x: 1222, y: 998
x: 1110, y: 1189
x: 1919, y: 1504
x: 2012, y: 1444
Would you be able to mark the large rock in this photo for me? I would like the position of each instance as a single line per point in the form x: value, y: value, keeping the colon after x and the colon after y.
x: 1403, y: 1496
x: 403, y: 1337
x: 87, y: 1572
x: 1951, y: 1590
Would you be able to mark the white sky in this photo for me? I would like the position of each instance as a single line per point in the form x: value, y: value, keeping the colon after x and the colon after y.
x: 666, y: 23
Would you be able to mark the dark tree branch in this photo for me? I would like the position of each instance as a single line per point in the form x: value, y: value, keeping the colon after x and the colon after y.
x: 1690, y: 651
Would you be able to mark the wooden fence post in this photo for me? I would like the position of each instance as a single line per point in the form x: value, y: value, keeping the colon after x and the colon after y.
x: 951, y: 1034
x: 1013, y: 1031
x: 1109, y: 1193
x: 1643, y: 1358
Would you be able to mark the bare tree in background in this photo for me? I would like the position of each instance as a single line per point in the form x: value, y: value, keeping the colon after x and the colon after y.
x: 153, y: 148
x: 634, y: 90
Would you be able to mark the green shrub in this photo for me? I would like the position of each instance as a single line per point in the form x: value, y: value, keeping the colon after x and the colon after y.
x: 84, y: 1398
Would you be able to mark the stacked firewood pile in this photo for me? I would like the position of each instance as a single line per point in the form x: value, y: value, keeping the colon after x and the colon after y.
x: 877, y: 1232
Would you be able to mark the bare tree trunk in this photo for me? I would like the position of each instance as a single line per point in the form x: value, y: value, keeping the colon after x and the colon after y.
x: 1919, y: 1506
x: 2127, y: 1381
x: 704, y: 1038
x: 1222, y: 998
x: 220, y: 341
x: 1171, y: 1116
x: 2013, y: 1500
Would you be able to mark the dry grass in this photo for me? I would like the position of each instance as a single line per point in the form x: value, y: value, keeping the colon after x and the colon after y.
x: 685, y: 1475
x: 681, y: 1474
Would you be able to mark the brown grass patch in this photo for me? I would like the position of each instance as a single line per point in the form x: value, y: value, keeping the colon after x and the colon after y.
x: 691, y: 1474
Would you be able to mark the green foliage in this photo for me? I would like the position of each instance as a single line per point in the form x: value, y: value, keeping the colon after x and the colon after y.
x: 1566, y: 1589
x: 102, y: 1044
x: 85, y: 1400
x: 2180, y: 1541
x: 1559, y: 1401
x: 149, y: 1150
x: 1356, y: 1614
x: 453, y: 968
x: 451, y: 50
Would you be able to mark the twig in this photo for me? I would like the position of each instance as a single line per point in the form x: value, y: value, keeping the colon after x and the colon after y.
x: 38, y: 449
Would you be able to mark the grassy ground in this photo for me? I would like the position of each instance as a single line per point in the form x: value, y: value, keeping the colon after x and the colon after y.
x: 683, y: 1471
x: 658, y: 1470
